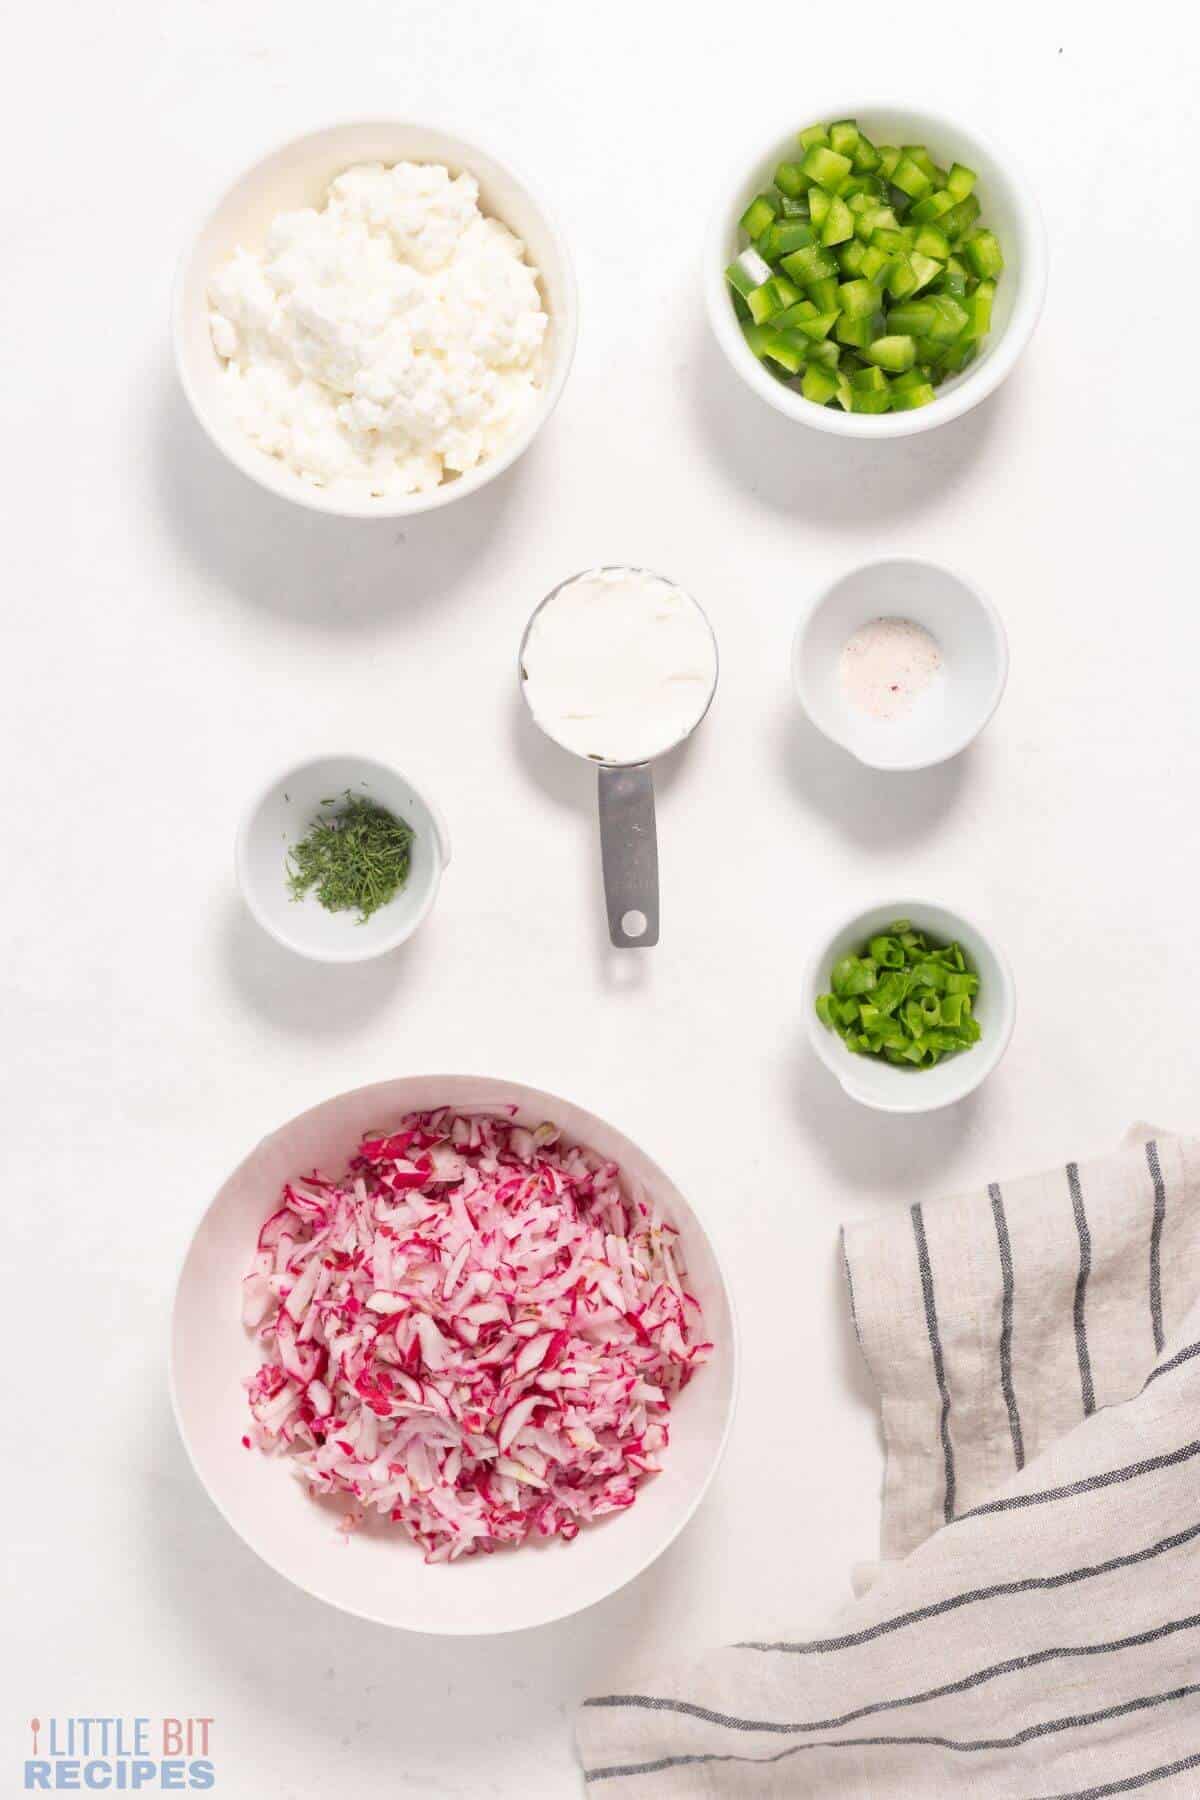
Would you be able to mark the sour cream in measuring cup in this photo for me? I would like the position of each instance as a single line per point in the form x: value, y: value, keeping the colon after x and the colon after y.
x: 618, y: 665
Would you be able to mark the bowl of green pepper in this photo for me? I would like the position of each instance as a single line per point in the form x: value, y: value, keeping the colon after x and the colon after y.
x: 877, y: 272
x: 910, y: 1005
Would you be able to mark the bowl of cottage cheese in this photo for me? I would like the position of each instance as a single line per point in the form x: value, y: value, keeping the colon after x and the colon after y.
x: 375, y: 320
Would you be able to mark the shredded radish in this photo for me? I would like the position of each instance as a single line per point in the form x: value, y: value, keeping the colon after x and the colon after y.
x: 477, y: 1332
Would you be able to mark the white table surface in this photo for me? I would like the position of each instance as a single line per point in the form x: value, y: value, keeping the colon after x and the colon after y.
x: 172, y: 635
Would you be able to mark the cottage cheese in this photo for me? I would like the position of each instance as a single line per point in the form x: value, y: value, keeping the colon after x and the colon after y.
x: 388, y: 341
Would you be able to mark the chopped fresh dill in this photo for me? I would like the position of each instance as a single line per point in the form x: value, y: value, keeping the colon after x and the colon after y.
x: 356, y: 858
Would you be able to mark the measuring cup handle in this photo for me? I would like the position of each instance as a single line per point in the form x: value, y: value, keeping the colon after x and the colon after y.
x: 629, y: 853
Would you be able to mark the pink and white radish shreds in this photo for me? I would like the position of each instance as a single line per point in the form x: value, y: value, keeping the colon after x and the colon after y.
x: 477, y: 1332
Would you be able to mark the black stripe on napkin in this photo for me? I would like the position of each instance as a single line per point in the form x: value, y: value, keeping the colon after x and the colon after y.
x: 1081, y: 1281
x: 977, y: 1678
x: 1027, y: 1735
x: 1029, y: 1585
x: 935, y: 1345
x: 1129, y: 1782
x: 1088, y: 1484
x: 1006, y: 1324
x: 1156, y: 1231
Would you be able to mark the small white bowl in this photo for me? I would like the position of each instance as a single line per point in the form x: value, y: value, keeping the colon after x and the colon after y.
x: 281, y: 814
x: 1009, y: 209
x: 378, y: 1574
x: 298, y: 174
x: 956, y: 705
x: 879, y: 1084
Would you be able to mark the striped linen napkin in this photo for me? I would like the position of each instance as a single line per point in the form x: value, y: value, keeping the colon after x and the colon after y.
x: 1033, y: 1632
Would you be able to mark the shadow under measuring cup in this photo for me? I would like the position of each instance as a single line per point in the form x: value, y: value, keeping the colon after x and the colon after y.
x: 618, y: 666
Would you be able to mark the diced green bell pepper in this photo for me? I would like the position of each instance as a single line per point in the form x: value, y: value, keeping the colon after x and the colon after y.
x: 858, y: 299
x: 874, y: 262
x: 869, y: 380
x: 813, y: 324
x: 746, y: 272
x: 758, y: 337
x: 933, y: 206
x: 908, y: 399
x: 826, y: 353
x: 826, y: 167
x: 981, y: 250
x: 790, y: 179
x: 952, y: 280
x: 757, y: 216
x: 912, y: 318
x: 960, y: 218
x: 910, y: 178
x: 924, y: 269
x: 866, y: 156
x: 771, y: 299
x: 895, y: 354
x: 932, y: 242
x: 858, y: 333
x: 819, y: 384
x: 839, y: 224
x: 813, y: 263
x: 901, y: 281
x: 949, y: 318
x: 823, y: 293
x: 788, y: 349
x: 978, y: 308
x: 782, y: 236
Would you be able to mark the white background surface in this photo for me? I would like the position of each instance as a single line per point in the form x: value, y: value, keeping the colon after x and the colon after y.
x: 172, y: 635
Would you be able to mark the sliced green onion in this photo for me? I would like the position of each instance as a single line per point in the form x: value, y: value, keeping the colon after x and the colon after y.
x: 894, y: 999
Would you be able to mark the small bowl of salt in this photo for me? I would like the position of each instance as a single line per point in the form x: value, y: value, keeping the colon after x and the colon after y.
x: 901, y: 662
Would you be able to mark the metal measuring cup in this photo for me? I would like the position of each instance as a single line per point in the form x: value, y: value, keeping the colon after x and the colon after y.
x: 628, y: 839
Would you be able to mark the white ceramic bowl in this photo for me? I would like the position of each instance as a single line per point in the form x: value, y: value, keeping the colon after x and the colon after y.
x: 1009, y: 208
x: 877, y: 1083
x: 956, y: 705
x: 281, y: 814
x: 378, y: 1573
x: 298, y: 174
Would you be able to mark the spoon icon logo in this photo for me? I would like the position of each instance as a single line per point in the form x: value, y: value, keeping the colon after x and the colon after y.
x: 35, y: 1725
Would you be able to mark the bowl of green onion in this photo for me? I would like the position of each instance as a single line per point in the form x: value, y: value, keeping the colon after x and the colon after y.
x: 340, y: 858
x: 910, y: 1005
x: 875, y: 271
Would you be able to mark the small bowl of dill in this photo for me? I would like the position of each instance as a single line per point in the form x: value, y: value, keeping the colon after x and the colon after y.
x: 340, y: 858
